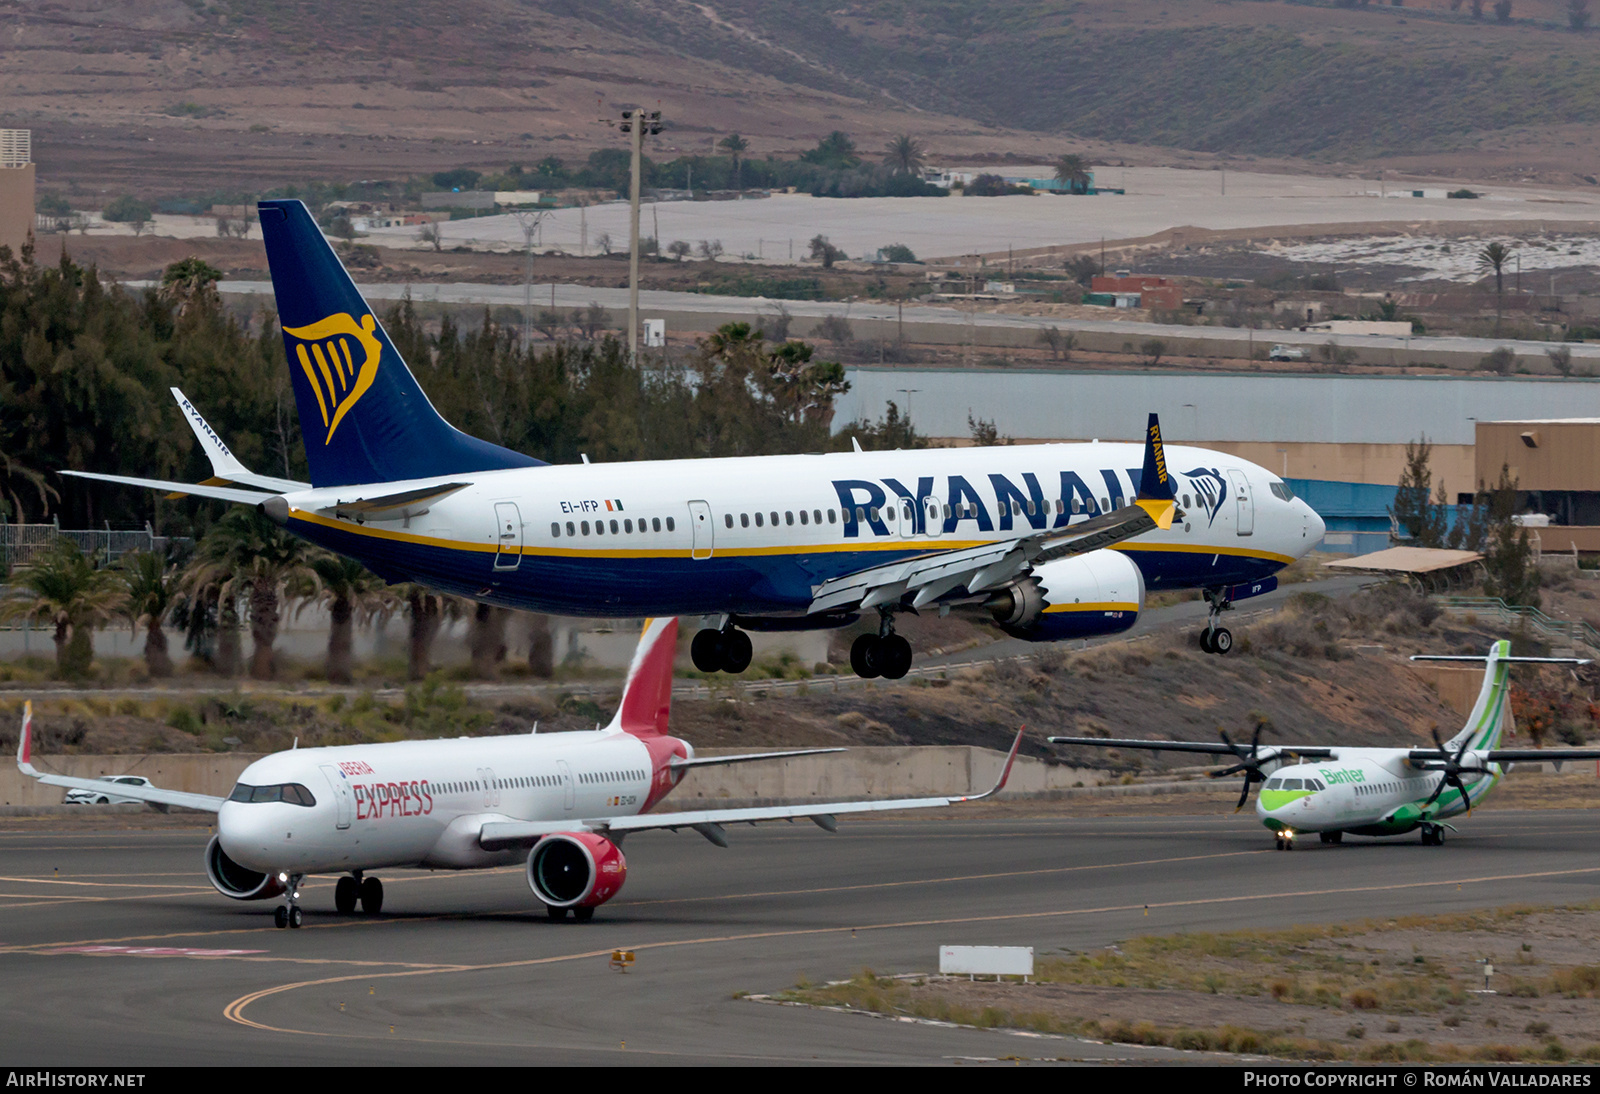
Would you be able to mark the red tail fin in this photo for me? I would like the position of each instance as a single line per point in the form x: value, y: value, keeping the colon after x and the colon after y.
x: 647, y: 696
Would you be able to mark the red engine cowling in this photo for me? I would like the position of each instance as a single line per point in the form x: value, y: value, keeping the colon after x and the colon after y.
x: 576, y: 870
x: 232, y: 880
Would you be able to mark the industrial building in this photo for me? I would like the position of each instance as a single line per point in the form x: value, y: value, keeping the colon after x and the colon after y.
x: 16, y: 188
x: 1556, y: 465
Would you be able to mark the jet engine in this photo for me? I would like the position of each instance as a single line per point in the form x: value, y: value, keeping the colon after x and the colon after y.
x: 232, y: 880
x: 1087, y: 595
x: 576, y: 870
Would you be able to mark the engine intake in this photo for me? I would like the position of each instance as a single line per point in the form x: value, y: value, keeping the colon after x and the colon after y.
x: 232, y: 880
x: 576, y: 870
x: 1098, y: 593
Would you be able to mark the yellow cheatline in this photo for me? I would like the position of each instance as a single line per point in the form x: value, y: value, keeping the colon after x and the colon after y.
x: 1102, y: 606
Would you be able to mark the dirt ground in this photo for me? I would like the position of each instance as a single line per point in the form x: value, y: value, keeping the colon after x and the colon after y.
x: 1377, y: 990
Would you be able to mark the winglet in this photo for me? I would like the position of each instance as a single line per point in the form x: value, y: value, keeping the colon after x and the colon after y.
x: 1005, y: 772
x: 224, y: 464
x: 25, y: 742
x: 1156, y: 495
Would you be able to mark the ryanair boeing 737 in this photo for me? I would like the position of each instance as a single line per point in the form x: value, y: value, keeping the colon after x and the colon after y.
x: 1055, y: 541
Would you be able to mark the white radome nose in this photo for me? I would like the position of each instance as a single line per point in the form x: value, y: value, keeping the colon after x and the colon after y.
x: 248, y: 835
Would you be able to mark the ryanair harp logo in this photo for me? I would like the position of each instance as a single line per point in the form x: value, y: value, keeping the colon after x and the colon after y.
x: 340, y: 359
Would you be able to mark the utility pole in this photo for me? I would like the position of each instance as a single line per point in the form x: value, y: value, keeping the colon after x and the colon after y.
x: 530, y: 224
x: 636, y: 123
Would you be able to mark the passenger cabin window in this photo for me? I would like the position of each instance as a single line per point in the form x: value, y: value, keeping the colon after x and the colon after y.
x: 758, y: 520
x: 788, y: 518
x: 613, y: 527
x: 774, y: 518
x: 830, y: 516
x: 803, y: 516
x: 655, y: 524
x: 555, y: 530
x: 670, y: 525
x: 744, y: 520
x: 585, y: 527
x: 627, y: 526
x: 727, y: 518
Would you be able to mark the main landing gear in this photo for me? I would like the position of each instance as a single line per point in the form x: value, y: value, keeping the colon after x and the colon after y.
x: 289, y: 914
x: 884, y: 654
x: 1215, y: 638
x: 725, y: 650
x: 349, y: 891
x: 1433, y: 835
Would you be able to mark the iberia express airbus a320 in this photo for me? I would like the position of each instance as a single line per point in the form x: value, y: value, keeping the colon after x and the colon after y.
x: 559, y: 802
x: 1056, y: 541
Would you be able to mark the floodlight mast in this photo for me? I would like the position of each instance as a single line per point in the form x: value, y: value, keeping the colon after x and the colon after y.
x: 636, y: 123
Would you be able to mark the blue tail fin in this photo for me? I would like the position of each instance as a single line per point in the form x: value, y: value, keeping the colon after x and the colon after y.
x: 362, y: 415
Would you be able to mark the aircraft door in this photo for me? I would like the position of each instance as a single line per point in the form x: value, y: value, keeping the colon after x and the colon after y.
x: 701, y: 529
x: 1246, y: 524
x: 568, y: 784
x: 908, y: 518
x: 508, y: 533
x: 932, y: 517
x: 341, y: 793
x: 491, y: 788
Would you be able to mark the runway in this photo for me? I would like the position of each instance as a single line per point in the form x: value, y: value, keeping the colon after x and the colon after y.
x: 464, y: 969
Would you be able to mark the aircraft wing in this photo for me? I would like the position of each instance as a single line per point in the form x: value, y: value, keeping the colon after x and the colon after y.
x: 927, y: 578
x: 159, y: 798
x: 1516, y: 755
x: 1213, y: 748
x: 496, y: 835
x: 224, y: 464
x: 221, y: 493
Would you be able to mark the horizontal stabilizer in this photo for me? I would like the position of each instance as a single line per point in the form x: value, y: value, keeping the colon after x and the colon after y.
x: 750, y: 757
x: 224, y: 464
x: 1502, y: 660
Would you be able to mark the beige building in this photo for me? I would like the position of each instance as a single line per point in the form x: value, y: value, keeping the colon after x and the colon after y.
x: 1556, y: 465
x: 16, y: 188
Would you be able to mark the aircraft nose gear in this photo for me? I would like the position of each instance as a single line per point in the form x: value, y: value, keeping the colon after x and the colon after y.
x: 1215, y: 638
x: 727, y: 650
x: 290, y: 915
x: 884, y: 654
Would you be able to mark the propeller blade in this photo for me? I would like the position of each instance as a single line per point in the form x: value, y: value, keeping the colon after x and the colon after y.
x: 1465, y: 797
x: 1244, y: 795
x: 1444, y: 782
x: 1227, y: 740
x: 1234, y: 770
x: 1433, y: 730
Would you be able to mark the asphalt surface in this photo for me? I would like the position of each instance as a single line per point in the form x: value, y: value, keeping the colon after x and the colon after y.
x: 465, y: 969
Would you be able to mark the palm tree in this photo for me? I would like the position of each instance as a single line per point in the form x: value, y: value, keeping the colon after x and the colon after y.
x: 1494, y: 258
x: 247, y: 554
x: 349, y: 591
x: 63, y: 588
x: 152, y: 587
x: 735, y: 146
x: 904, y: 155
x: 1072, y: 171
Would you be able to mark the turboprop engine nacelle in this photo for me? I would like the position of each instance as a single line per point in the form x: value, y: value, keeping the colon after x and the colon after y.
x: 232, y: 880
x: 1101, y: 592
x: 576, y: 870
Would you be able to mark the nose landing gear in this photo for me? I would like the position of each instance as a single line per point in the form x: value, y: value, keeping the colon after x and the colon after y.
x: 726, y: 650
x: 884, y: 654
x: 289, y: 914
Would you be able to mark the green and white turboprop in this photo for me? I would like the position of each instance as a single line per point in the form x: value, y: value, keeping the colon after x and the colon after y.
x: 1331, y: 790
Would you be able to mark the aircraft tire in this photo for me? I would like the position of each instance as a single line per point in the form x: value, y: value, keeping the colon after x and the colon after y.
x: 280, y: 916
x: 1221, y: 640
x: 863, y: 657
x: 736, y: 651
x: 1205, y: 641
x: 297, y: 917
x: 706, y: 650
x: 893, y: 656
x: 1331, y: 837
x: 346, y: 892
x: 556, y: 914
x: 371, y: 896
x: 583, y: 915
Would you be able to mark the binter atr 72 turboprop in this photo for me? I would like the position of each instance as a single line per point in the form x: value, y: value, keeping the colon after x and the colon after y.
x: 1056, y: 541
x: 1331, y: 790
x: 559, y: 802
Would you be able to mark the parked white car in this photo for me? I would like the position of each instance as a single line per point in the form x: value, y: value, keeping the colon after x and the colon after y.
x: 1281, y: 352
x: 101, y: 797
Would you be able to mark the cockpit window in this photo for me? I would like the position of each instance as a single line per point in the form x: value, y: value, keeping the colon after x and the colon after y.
x: 1274, y: 784
x: 1281, y: 490
x: 292, y: 793
x: 1293, y: 784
